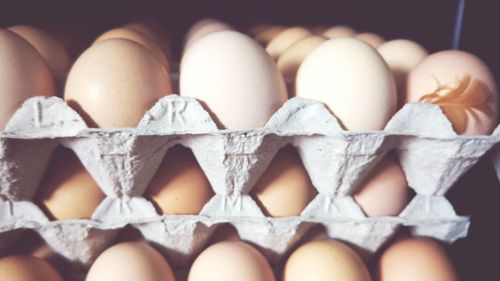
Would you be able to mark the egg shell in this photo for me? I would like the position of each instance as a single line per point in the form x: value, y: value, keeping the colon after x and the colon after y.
x: 51, y: 50
x: 27, y: 268
x: 285, y: 39
x: 372, y: 39
x: 384, y: 192
x: 154, y: 31
x: 179, y: 187
x: 475, y: 96
x: 130, y: 261
x: 137, y: 37
x: 67, y: 190
x: 285, y: 177
x: 23, y: 74
x: 234, y: 78
x: 265, y: 36
x: 339, y: 31
x: 229, y: 261
x: 323, y: 260
x: 202, y: 28
x: 114, y: 82
x: 415, y: 259
x: 402, y: 56
x: 288, y: 63
x: 353, y: 81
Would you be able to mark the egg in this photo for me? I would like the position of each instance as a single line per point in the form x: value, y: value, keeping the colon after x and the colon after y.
x: 266, y: 35
x: 51, y: 50
x: 27, y: 268
x: 113, y: 83
x: 234, y: 78
x: 288, y: 63
x: 137, y: 37
x: 179, y: 187
x: 67, y: 190
x: 384, y: 192
x: 339, y: 31
x: 23, y: 74
x: 372, y: 39
x: 229, y: 261
x: 285, y: 39
x: 130, y: 261
x: 325, y: 260
x: 202, y: 28
x: 415, y: 259
x: 285, y: 188
x: 154, y: 31
x: 461, y: 85
x: 352, y: 80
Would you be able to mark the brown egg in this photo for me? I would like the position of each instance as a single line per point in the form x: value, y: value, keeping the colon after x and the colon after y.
x: 23, y: 74
x: 285, y: 188
x: 285, y: 39
x: 27, y: 268
x: 384, y: 192
x: 179, y: 187
x: 74, y: 38
x: 325, y: 260
x: 114, y: 82
x: 266, y: 35
x: 130, y: 261
x: 372, y: 39
x: 338, y: 32
x: 154, y: 31
x: 52, y: 51
x: 138, y: 37
x: 415, y: 259
x: 230, y: 261
x: 67, y: 190
x: 461, y: 85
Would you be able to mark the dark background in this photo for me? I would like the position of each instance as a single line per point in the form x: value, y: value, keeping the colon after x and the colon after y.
x: 427, y: 22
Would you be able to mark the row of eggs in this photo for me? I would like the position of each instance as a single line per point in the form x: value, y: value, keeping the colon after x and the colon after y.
x: 316, y: 259
x: 126, y: 70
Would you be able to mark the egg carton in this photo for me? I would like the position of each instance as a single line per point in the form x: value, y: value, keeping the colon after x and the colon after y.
x: 123, y: 161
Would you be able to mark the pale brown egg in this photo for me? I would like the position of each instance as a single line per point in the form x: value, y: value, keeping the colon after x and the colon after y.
x: 285, y: 188
x: 27, y: 268
x: 51, y: 50
x: 415, y: 259
x: 266, y: 35
x: 114, y: 83
x: 372, y: 39
x: 232, y: 76
x: 179, y: 187
x: 285, y: 39
x: 288, y: 63
x: 130, y: 261
x: 138, y: 37
x: 67, y: 190
x: 461, y: 85
x: 325, y: 260
x: 23, y: 74
x: 154, y: 31
x: 230, y: 261
x: 339, y: 31
x: 384, y: 192
x: 203, y: 28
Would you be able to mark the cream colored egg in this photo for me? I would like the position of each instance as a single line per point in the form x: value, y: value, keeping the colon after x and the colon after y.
x: 130, y: 261
x: 372, y: 39
x: 138, y: 37
x: 384, y: 192
x: 285, y: 188
x: 67, y: 190
x: 462, y: 85
x: 234, y: 78
x: 339, y: 31
x: 202, y: 28
x: 288, y: 63
x: 325, y: 260
x: 415, y: 259
x: 114, y: 83
x: 179, y: 187
x: 285, y: 39
x: 27, y: 268
x: 23, y: 74
x: 230, y: 261
x: 352, y: 80
x: 52, y: 51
